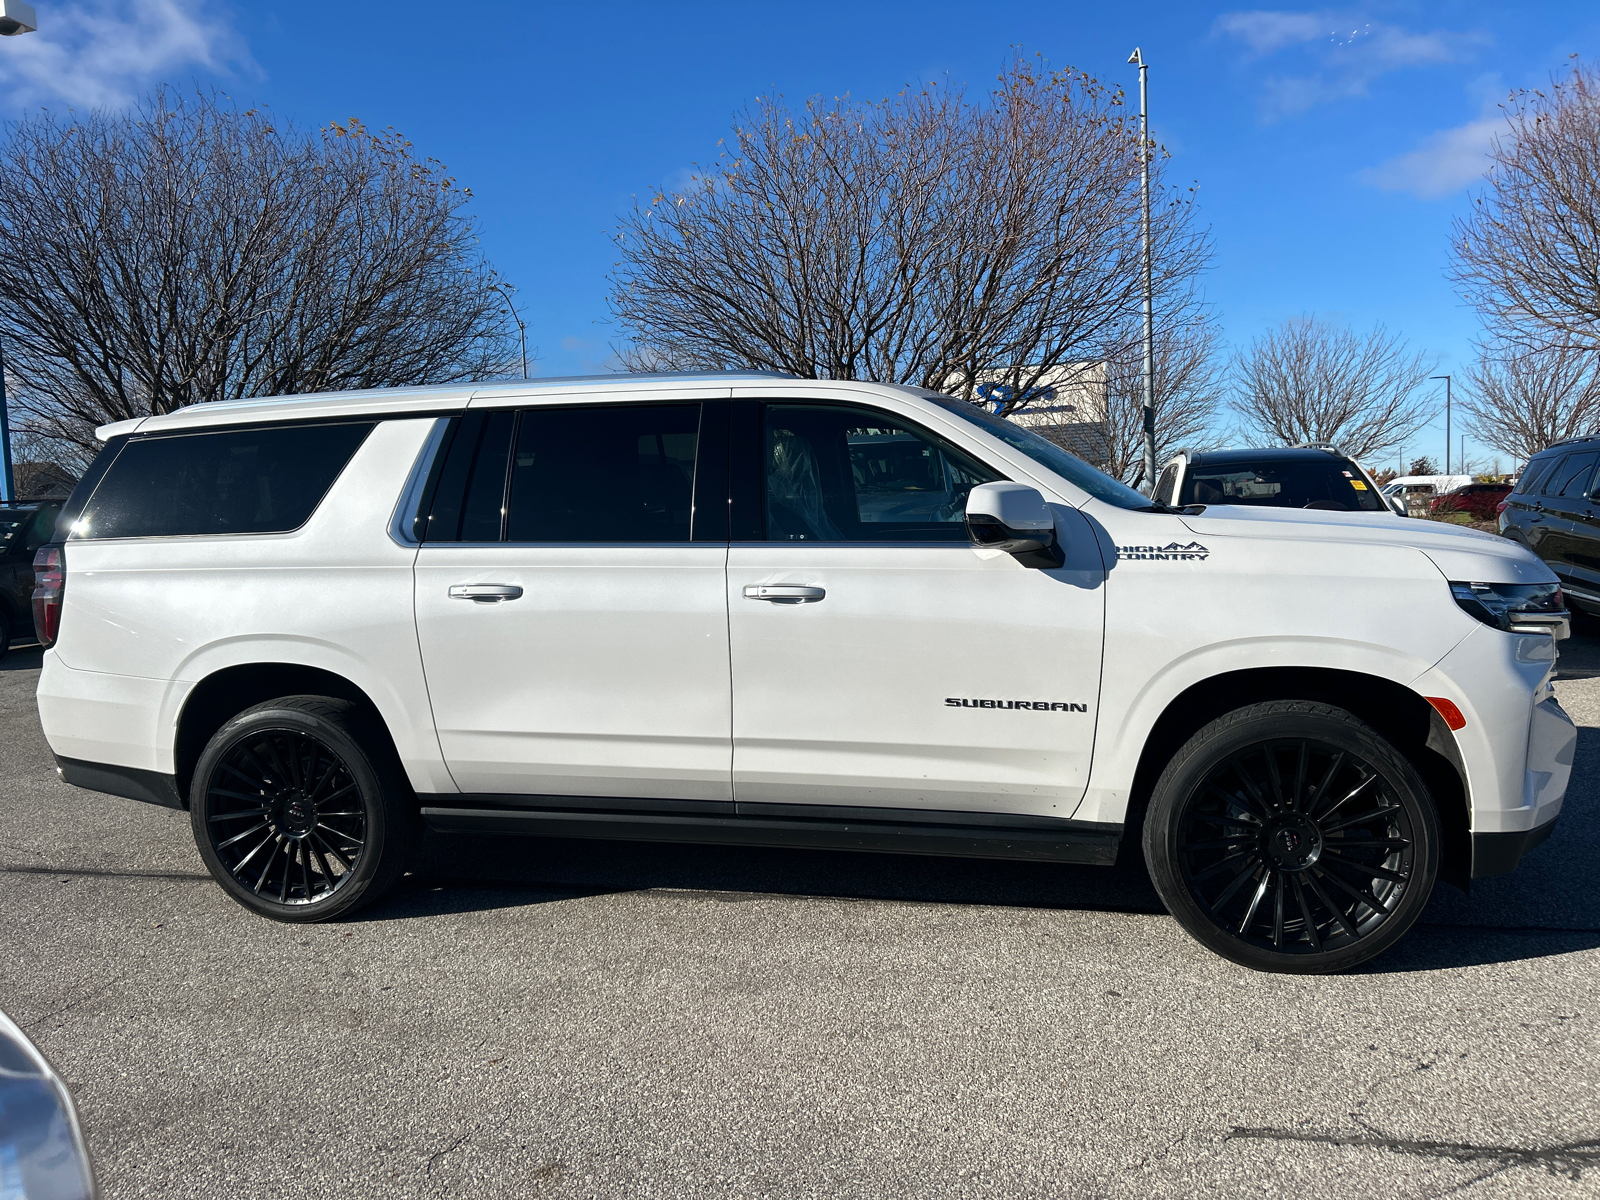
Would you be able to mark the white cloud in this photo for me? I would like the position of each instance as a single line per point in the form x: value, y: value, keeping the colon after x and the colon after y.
x: 1339, y: 56
x: 1444, y: 163
x: 102, y: 53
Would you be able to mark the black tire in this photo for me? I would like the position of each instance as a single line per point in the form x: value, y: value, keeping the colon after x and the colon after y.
x: 263, y: 786
x: 1290, y: 836
x: 5, y: 633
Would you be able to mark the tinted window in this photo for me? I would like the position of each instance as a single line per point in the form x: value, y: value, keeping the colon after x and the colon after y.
x: 218, y: 482
x: 1571, y: 478
x: 1046, y: 453
x: 1533, y: 475
x: 615, y: 473
x: 13, y: 521
x: 849, y: 475
x: 1282, y: 483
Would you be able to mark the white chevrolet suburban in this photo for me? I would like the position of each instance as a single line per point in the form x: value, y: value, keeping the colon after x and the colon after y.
x: 759, y: 610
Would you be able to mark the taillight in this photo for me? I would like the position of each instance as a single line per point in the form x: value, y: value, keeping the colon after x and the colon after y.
x: 1501, y: 507
x: 49, y: 585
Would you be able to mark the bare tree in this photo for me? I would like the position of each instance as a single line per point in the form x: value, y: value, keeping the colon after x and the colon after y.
x: 924, y: 239
x: 1308, y: 381
x: 1521, y: 401
x: 1189, y: 384
x: 1529, y: 254
x: 189, y: 251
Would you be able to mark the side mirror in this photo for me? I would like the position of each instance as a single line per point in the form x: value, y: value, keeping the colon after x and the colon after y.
x: 42, y: 1154
x: 1014, y: 517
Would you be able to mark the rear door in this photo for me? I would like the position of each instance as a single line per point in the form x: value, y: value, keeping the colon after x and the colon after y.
x: 878, y: 658
x: 571, y: 606
x: 1567, y: 508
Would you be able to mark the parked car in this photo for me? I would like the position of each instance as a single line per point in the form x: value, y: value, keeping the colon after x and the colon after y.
x: 1554, y: 510
x: 1287, y: 477
x: 1410, y: 495
x: 23, y: 529
x: 1481, y: 501
x: 42, y: 1151
x: 766, y: 611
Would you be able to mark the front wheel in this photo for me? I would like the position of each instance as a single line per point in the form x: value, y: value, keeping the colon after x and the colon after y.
x: 1290, y: 836
x: 298, y: 812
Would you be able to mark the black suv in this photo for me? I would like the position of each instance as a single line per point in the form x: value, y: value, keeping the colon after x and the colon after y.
x: 1555, y: 512
x: 23, y: 529
x: 1285, y: 477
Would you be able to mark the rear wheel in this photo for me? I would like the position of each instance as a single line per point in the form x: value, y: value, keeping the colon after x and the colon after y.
x: 1290, y: 836
x: 298, y: 811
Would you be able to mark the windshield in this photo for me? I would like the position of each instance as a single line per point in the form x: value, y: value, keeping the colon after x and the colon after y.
x: 1047, y: 454
x: 1282, y: 483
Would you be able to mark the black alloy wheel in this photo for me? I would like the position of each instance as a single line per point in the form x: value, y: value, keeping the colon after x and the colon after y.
x: 1290, y: 836
x: 293, y: 815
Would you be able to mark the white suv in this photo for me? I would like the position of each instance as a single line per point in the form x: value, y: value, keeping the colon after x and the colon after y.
x: 767, y: 611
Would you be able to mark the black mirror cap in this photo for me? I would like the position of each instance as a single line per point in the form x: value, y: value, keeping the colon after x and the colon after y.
x: 1036, y: 548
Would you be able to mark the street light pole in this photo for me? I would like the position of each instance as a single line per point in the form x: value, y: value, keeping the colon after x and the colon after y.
x: 16, y: 17
x: 1149, y: 303
x: 1446, y: 379
x: 522, y: 330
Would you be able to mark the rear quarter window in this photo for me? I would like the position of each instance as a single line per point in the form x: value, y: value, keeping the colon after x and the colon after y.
x: 231, y: 481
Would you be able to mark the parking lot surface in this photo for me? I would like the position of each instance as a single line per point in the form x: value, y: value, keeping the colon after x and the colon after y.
x: 545, y: 1018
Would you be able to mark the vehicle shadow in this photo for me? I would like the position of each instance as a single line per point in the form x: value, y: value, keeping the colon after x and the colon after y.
x: 23, y: 658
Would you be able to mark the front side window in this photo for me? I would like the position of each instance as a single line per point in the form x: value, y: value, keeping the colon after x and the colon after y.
x: 228, y: 481
x: 839, y: 474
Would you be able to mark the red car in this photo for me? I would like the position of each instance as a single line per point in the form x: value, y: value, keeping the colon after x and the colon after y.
x: 1479, y: 499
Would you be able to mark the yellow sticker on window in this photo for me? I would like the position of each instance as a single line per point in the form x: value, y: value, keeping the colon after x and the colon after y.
x: 1358, y: 485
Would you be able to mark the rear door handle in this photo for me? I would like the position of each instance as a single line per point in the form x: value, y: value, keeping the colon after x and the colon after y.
x: 784, y: 593
x: 485, y: 593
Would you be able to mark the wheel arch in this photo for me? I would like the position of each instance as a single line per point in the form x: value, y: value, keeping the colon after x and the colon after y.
x: 229, y: 691
x: 1401, y: 715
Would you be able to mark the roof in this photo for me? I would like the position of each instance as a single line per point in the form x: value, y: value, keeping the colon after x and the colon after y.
x: 1565, y: 442
x: 1271, y: 454
x: 425, y: 399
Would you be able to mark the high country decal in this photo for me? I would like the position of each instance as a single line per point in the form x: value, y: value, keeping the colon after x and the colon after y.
x: 1034, y: 705
x: 1194, y: 551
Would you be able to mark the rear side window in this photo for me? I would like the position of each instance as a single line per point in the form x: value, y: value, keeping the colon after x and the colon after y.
x: 592, y: 474
x: 1533, y: 476
x: 1571, y: 478
x: 232, y: 481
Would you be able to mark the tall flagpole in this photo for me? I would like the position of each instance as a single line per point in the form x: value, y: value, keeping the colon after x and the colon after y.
x: 1149, y: 300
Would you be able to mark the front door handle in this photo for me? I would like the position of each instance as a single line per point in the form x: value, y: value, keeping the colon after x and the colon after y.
x: 485, y: 593
x: 784, y: 593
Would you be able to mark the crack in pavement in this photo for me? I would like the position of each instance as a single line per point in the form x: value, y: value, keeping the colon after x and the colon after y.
x: 1570, y: 1158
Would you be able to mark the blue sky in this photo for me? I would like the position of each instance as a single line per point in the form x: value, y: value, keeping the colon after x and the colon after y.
x: 1333, y: 145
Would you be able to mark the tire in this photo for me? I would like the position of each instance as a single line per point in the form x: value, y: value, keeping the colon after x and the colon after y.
x: 263, y: 786
x: 5, y: 633
x: 1290, y: 836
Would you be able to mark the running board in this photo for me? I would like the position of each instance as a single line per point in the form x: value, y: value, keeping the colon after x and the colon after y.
x: 1064, y: 841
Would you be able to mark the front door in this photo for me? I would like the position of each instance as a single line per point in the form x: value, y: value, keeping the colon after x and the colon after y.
x: 573, y: 632
x: 1567, y: 504
x: 878, y: 658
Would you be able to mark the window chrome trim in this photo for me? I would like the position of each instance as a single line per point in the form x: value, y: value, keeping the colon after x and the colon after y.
x: 402, y: 529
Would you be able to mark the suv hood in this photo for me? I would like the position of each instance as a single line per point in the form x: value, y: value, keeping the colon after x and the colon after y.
x: 1459, y: 553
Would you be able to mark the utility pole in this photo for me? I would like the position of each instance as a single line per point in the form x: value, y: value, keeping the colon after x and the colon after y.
x: 16, y: 17
x: 1446, y: 379
x: 1149, y: 300
x: 522, y: 330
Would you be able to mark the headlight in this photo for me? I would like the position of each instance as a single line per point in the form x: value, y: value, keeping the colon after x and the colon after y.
x: 1516, y: 607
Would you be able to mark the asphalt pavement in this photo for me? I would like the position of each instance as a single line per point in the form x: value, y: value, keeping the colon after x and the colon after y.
x: 531, y: 1018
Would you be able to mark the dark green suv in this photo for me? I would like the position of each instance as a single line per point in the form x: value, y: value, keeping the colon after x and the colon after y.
x: 23, y: 529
